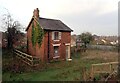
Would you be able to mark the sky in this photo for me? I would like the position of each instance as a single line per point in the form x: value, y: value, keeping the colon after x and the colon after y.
x: 99, y: 17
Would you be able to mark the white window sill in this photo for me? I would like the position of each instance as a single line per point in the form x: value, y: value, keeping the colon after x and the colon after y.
x: 56, y: 40
x: 56, y: 44
x: 56, y: 56
x: 67, y: 44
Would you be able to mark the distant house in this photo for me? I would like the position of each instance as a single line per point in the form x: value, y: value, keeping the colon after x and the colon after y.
x: 79, y: 42
x: 114, y: 42
x: 104, y: 41
x: 20, y: 40
x: 3, y: 39
x: 73, y: 40
x: 56, y: 40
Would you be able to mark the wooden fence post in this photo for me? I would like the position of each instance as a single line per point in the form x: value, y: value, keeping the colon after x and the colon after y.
x: 84, y: 74
x: 32, y: 61
x: 111, y: 68
x: 92, y: 72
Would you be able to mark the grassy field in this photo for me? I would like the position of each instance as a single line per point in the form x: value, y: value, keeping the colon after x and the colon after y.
x: 56, y: 71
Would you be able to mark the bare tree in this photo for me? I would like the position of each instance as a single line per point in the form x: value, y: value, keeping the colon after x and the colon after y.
x: 11, y: 27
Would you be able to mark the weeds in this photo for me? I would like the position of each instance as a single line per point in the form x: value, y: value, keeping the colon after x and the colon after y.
x: 61, y: 70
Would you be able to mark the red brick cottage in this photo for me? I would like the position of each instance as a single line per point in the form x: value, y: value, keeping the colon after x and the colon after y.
x: 55, y: 42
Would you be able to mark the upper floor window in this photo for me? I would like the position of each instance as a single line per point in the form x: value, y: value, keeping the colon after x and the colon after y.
x: 56, y: 35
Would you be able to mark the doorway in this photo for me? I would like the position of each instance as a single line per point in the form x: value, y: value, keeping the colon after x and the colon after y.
x: 67, y: 52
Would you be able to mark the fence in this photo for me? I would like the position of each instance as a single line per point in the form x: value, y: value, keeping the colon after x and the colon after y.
x: 102, y: 47
x: 104, y: 68
x: 30, y: 60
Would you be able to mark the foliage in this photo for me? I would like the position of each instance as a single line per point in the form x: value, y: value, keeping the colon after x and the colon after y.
x: 33, y: 35
x: 56, y: 71
x: 40, y: 35
x: 37, y: 34
x: 12, y: 28
x: 86, y: 38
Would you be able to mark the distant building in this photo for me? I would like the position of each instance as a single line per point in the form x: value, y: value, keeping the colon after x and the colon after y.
x: 73, y: 40
x: 104, y: 41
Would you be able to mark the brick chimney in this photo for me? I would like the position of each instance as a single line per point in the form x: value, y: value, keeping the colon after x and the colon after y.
x: 36, y: 13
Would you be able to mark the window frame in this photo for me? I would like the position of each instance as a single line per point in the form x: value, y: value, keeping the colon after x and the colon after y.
x: 56, y: 38
x: 57, y: 54
x: 56, y: 35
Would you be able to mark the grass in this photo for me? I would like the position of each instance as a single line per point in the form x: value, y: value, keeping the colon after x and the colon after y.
x: 60, y: 70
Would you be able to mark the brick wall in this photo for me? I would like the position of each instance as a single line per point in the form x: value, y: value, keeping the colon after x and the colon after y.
x: 65, y: 38
x: 34, y: 50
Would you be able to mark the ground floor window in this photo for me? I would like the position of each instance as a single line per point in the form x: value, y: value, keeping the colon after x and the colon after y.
x: 56, y: 48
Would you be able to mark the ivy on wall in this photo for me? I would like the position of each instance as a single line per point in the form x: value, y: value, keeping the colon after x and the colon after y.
x: 33, y: 39
x: 40, y: 35
x: 37, y: 34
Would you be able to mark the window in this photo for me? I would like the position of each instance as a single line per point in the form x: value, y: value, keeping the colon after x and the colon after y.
x: 56, y: 50
x: 56, y: 35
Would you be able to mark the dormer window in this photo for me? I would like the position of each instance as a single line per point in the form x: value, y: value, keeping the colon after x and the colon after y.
x: 56, y: 35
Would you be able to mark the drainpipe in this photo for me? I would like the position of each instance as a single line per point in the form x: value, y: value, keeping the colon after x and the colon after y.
x: 27, y: 44
x: 48, y: 46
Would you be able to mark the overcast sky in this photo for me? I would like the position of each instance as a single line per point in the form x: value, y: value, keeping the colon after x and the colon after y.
x: 99, y: 17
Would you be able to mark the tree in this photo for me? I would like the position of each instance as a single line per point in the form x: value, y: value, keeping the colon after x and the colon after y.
x: 86, y: 38
x: 12, y: 28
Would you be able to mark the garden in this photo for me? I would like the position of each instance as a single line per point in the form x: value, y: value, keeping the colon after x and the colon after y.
x: 15, y: 70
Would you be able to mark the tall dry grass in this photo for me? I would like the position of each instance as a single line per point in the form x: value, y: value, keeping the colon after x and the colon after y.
x: 107, y: 56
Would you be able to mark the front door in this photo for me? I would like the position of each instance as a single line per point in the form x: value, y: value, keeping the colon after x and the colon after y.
x: 67, y: 52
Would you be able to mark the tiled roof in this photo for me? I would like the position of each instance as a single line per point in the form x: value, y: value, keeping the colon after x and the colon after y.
x: 52, y: 24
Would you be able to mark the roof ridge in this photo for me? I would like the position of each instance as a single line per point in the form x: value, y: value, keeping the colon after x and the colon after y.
x: 49, y: 19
